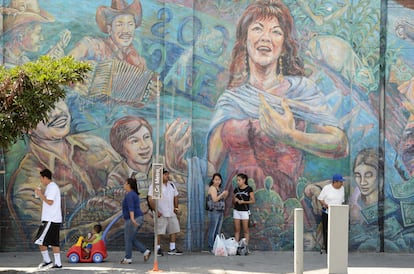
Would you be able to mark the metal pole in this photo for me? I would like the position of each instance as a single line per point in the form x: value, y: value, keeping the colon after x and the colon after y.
x: 381, y: 120
x: 157, y: 158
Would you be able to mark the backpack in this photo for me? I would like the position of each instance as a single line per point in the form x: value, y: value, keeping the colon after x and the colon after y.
x: 149, y: 204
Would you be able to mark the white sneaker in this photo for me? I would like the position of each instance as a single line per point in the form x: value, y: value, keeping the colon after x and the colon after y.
x: 44, y: 265
x: 175, y: 252
x: 147, y: 255
x: 126, y: 261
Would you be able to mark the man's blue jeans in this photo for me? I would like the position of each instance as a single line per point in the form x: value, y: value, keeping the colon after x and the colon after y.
x: 130, y: 237
x: 215, y: 221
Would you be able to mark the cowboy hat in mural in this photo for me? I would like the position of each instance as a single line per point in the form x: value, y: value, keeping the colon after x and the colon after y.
x: 24, y: 11
x: 105, y: 15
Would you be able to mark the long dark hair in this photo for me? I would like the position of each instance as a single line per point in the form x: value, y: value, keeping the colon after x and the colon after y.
x: 132, y: 182
x: 212, y: 178
x: 244, y: 177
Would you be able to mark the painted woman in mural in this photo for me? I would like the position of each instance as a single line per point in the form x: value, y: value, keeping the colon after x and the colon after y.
x: 270, y: 115
x: 80, y: 164
x: 364, y: 198
x: 363, y: 201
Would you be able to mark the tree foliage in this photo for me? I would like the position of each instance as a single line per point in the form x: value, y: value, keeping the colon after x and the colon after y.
x: 28, y: 92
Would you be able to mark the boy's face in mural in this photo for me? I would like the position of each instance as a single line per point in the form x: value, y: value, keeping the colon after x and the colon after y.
x: 30, y: 41
x: 122, y: 30
x: 57, y: 126
x: 138, y: 147
x: 265, y: 40
x: 366, y: 178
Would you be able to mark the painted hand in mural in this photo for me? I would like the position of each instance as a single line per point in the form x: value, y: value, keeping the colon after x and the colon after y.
x: 83, y: 87
x: 275, y: 125
x: 58, y: 50
x: 177, y: 141
x: 312, y: 191
x: 282, y: 127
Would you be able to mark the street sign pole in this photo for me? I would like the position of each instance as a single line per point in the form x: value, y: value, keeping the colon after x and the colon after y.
x: 157, y: 169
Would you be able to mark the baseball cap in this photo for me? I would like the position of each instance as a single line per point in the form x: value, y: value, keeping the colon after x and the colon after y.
x: 165, y: 171
x: 338, y: 178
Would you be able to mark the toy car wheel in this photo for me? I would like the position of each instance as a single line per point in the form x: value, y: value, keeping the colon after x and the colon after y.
x: 73, y: 258
x: 97, y: 258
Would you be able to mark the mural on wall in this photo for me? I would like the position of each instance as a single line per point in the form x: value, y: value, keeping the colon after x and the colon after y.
x: 399, y: 226
x: 284, y: 91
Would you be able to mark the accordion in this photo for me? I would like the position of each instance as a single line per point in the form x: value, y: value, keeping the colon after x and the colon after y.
x: 121, y: 82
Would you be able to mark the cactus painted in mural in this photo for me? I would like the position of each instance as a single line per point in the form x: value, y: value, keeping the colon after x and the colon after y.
x: 29, y: 91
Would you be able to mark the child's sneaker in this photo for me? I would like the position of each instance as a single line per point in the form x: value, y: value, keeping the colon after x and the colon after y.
x: 159, y: 252
x: 174, y: 252
x: 57, y: 266
x: 44, y: 265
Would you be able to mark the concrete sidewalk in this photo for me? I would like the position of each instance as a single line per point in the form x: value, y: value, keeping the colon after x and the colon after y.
x: 259, y: 262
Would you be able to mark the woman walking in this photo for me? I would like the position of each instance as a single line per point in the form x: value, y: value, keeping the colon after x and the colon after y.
x: 134, y: 218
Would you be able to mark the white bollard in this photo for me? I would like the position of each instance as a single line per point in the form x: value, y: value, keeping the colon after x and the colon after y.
x: 298, y: 241
x: 338, y: 222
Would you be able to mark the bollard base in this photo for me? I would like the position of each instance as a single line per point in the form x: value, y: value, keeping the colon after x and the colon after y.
x: 155, y: 268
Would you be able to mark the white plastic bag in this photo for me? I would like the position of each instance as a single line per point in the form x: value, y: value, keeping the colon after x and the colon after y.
x: 219, y: 247
x: 231, y: 246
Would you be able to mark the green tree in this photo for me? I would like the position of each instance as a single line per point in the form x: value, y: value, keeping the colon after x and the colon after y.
x: 28, y: 92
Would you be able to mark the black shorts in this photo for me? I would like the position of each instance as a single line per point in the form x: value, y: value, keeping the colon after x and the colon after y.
x: 48, y: 234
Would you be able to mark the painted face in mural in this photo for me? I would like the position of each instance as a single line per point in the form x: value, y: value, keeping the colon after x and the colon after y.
x: 57, y: 126
x: 122, y: 30
x: 265, y: 41
x: 30, y: 41
x: 138, y: 147
x: 366, y: 178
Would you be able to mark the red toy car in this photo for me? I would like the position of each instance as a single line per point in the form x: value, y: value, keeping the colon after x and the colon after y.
x: 77, y: 254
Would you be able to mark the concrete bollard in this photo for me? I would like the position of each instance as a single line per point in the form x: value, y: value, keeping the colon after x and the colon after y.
x: 298, y: 241
x: 338, y: 222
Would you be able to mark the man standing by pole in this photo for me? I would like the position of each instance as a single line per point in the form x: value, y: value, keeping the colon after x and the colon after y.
x: 332, y: 194
x: 48, y: 234
x: 167, y: 213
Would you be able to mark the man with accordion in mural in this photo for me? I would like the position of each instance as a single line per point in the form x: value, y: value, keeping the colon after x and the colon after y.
x: 120, y: 73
